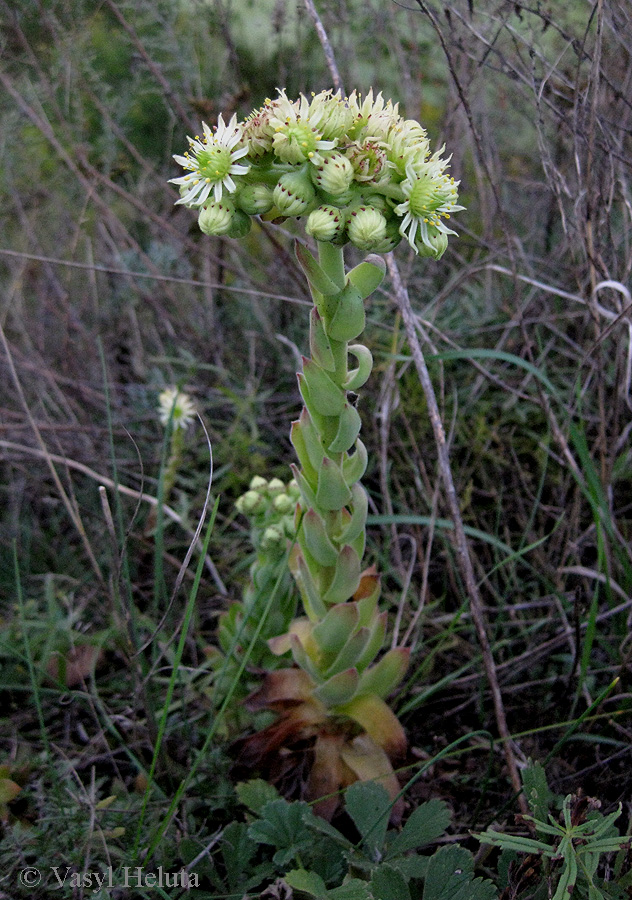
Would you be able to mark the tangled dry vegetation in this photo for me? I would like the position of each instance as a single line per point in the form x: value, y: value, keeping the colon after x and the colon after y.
x: 110, y: 294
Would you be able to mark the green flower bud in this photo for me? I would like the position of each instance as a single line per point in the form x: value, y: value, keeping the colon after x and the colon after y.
x: 276, y: 487
x: 249, y: 503
x: 340, y: 201
x: 392, y: 238
x: 259, y: 484
x: 240, y: 225
x: 255, y: 199
x: 438, y: 241
x: 293, y: 489
x: 283, y: 503
x: 294, y: 194
x: 216, y: 218
x: 325, y: 223
x: 369, y: 161
x: 272, y: 536
x: 366, y: 228
x: 334, y: 173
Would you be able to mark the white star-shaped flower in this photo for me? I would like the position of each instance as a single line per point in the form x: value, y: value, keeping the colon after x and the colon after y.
x: 211, y: 161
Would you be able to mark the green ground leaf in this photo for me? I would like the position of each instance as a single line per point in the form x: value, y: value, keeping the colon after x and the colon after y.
x: 388, y: 883
x: 426, y: 824
x: 450, y: 876
x: 256, y: 793
x: 281, y: 825
x: 369, y: 805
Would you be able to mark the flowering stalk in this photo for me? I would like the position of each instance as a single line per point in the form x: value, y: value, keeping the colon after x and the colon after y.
x: 269, y: 507
x: 361, y: 174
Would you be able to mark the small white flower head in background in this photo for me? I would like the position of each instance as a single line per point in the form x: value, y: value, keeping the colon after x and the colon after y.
x: 175, y: 407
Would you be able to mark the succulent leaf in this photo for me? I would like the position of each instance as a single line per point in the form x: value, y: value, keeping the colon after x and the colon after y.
x: 349, y: 425
x: 348, y: 319
x: 307, y: 494
x: 351, y: 652
x: 302, y: 658
x: 385, y: 675
x: 379, y: 722
x: 340, y: 688
x: 332, y: 632
x: 297, y: 437
x: 326, y: 397
x: 356, y: 523
x: 311, y: 438
x: 315, y: 274
x: 375, y: 642
x: 319, y: 345
x: 332, y: 492
x: 359, y: 376
x: 354, y: 466
x: 368, y: 275
x: 346, y: 577
x: 316, y: 539
x: 314, y: 606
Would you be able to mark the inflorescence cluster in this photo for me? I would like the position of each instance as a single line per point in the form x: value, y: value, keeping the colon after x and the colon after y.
x: 353, y: 166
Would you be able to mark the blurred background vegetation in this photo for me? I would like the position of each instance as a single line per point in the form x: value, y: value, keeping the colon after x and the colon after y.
x: 110, y: 293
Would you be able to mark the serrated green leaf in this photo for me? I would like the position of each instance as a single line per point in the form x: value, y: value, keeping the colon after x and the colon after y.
x: 426, y: 824
x: 306, y: 882
x: 388, y: 883
x: 354, y: 889
x: 256, y: 793
x: 450, y: 876
x: 369, y: 806
x: 281, y: 825
x: 536, y: 790
x: 325, y: 828
x: 238, y: 850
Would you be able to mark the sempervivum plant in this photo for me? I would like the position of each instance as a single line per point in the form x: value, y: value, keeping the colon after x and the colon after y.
x: 358, y: 172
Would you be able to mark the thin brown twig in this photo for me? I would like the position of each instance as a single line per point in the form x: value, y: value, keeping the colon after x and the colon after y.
x: 462, y: 548
x: 326, y: 45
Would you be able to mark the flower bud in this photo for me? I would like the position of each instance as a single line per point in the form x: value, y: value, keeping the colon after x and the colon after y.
x: 240, y: 225
x: 294, y: 194
x: 293, y: 489
x: 255, y: 199
x: 366, y: 228
x: 436, y: 245
x: 259, y: 484
x: 334, y: 174
x: 392, y: 238
x: 325, y: 223
x: 249, y: 503
x: 275, y: 487
x: 283, y: 503
x: 272, y: 536
x: 370, y: 162
x: 216, y: 218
